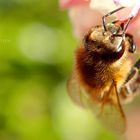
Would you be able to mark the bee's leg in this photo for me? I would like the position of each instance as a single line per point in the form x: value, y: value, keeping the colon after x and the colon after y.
x: 132, y: 47
x: 127, y: 23
x: 132, y: 84
x: 124, y: 28
x: 123, y: 34
x: 129, y: 90
x: 132, y: 73
x: 110, y: 13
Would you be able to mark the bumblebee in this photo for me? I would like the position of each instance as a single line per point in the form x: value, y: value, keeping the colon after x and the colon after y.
x: 103, y: 77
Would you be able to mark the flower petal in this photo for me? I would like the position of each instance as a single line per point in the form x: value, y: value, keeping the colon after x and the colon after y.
x: 133, y: 4
x: 83, y: 18
x: 65, y: 4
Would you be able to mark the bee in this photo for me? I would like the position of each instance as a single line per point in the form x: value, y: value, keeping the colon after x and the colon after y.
x: 103, y: 77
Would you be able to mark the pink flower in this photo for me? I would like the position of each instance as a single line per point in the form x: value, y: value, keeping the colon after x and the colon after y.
x: 83, y: 18
x: 81, y: 15
x: 87, y: 13
x: 64, y: 4
x: 134, y: 4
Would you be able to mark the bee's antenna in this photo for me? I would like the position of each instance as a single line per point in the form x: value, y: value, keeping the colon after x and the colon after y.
x: 110, y: 13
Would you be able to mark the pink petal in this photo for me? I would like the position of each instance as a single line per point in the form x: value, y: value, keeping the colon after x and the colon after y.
x: 64, y: 4
x: 126, y: 13
x: 126, y: 3
x: 134, y: 11
x: 123, y: 14
x: 83, y: 18
x: 133, y: 4
x: 117, y: 2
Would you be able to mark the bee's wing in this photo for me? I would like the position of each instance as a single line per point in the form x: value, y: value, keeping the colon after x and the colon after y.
x: 111, y: 114
x: 76, y: 93
x: 108, y: 111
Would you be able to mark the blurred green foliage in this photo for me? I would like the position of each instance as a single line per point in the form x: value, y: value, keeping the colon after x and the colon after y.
x: 36, y: 54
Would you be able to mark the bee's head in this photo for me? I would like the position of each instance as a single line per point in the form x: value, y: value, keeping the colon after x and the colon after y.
x: 103, y: 43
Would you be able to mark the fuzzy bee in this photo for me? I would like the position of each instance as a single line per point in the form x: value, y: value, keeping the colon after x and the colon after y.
x: 103, y: 77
